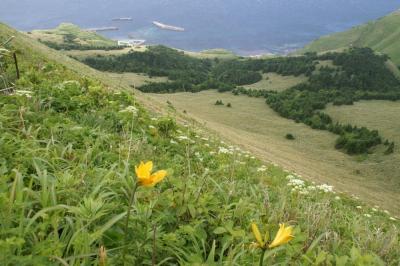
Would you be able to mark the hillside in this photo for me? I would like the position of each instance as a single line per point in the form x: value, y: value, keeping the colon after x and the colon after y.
x: 382, y: 35
x: 69, y: 36
x: 70, y: 193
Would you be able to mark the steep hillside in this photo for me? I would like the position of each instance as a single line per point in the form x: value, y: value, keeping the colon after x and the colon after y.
x: 382, y: 35
x: 73, y: 190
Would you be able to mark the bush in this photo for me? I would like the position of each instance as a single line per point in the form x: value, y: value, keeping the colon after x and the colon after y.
x: 229, y: 105
x: 390, y: 149
x: 289, y: 136
x: 219, y: 102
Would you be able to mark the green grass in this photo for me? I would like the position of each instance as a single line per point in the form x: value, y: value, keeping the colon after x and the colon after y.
x: 254, y: 125
x: 382, y: 35
x: 382, y: 116
x: 80, y: 54
x: 67, y: 157
x: 81, y: 36
x: 276, y: 82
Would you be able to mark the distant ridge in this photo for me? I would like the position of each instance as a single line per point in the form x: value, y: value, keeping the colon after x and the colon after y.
x: 382, y: 35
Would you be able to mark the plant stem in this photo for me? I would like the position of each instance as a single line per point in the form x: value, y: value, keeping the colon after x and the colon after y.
x: 128, y: 214
x: 262, y: 257
x: 153, y: 259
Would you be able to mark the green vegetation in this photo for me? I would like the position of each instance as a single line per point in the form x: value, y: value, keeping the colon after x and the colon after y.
x: 350, y: 76
x: 70, y: 37
x: 381, y: 35
x: 68, y: 150
x: 219, y: 102
x: 289, y: 136
x: 361, y: 75
x: 256, y: 127
x: 192, y: 74
x: 276, y: 82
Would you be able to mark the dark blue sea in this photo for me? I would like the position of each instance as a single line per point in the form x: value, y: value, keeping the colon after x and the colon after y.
x: 244, y: 26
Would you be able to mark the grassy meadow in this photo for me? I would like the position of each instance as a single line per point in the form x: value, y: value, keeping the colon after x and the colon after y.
x: 72, y: 191
x: 251, y: 123
x: 276, y: 82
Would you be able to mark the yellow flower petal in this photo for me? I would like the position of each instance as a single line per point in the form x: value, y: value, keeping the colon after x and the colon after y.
x: 158, y: 176
x: 143, y: 170
x: 283, y: 236
x: 144, y: 176
x: 257, y: 234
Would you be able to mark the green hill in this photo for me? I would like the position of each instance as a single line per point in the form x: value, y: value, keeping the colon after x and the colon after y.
x: 70, y: 193
x: 71, y: 37
x: 382, y: 35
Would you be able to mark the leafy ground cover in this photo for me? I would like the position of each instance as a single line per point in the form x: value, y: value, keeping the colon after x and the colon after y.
x: 68, y: 150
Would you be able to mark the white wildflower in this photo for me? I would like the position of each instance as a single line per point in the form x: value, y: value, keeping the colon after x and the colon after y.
x: 367, y: 215
x: 173, y: 141
x: 182, y: 137
x: 262, y: 169
x: 130, y: 109
x: 25, y: 93
x: 326, y: 188
x: 393, y: 219
x: 296, y: 183
x: 337, y: 198
x: 224, y: 150
x: 359, y: 207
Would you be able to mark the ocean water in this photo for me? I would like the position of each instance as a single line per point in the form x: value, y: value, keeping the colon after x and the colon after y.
x: 246, y: 27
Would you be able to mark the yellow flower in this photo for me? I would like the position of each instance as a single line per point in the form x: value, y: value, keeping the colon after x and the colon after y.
x: 283, y: 236
x: 145, y: 177
x: 257, y: 235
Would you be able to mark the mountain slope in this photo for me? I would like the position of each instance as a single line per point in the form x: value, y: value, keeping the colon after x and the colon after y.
x: 382, y: 35
x: 69, y: 145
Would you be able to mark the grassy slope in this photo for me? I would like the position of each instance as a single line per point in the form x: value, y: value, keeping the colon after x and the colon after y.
x: 64, y: 173
x: 383, y: 118
x: 81, y: 36
x: 374, y: 180
x: 382, y: 35
x: 273, y: 81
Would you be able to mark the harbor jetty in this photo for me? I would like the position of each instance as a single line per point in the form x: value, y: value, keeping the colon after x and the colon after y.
x: 102, y: 29
x: 122, y: 19
x: 167, y: 27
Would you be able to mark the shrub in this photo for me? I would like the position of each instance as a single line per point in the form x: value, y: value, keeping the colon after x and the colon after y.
x: 390, y: 149
x: 289, y: 136
x: 166, y: 127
